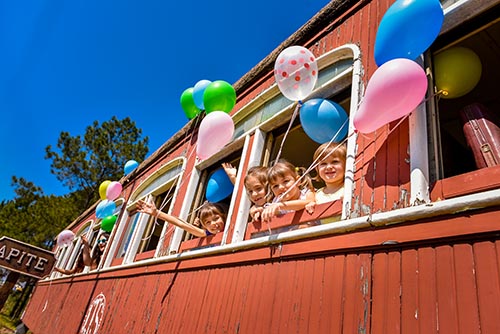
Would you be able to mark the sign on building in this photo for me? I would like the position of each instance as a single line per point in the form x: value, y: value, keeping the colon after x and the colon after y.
x: 24, y: 258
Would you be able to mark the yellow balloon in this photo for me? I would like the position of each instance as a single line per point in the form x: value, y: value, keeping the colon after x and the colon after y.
x: 456, y: 71
x: 102, y: 189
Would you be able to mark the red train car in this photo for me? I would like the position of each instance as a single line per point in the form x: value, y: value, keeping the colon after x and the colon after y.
x: 416, y: 248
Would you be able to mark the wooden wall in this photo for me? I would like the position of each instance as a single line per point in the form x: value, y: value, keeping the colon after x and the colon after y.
x: 434, y: 277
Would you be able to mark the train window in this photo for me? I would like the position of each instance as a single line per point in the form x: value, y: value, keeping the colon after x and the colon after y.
x: 464, y: 120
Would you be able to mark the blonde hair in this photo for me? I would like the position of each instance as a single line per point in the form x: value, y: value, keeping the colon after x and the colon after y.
x: 334, y: 149
x: 283, y: 168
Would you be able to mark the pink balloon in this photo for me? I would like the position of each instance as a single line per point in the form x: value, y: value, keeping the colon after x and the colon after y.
x: 395, y: 89
x: 296, y: 72
x: 114, y: 190
x: 216, y: 130
x: 65, y: 238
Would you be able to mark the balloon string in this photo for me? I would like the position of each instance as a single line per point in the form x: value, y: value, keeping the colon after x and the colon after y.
x: 294, y: 115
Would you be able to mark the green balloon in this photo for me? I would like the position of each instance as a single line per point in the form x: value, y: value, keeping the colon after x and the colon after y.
x: 108, y: 223
x: 219, y: 96
x: 187, y: 103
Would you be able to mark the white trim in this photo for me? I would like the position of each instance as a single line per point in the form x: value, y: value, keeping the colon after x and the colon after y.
x: 389, y: 218
x: 244, y: 205
x: 186, y: 207
x: 235, y: 193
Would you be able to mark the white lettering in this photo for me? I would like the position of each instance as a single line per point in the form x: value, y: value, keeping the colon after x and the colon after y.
x: 31, y: 257
x: 41, y: 263
x: 2, y: 251
x: 21, y: 258
x: 13, y: 252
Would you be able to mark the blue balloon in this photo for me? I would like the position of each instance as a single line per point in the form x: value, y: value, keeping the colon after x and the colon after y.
x: 105, y: 208
x: 198, y: 91
x: 219, y: 186
x: 407, y: 29
x: 130, y: 166
x: 323, y: 120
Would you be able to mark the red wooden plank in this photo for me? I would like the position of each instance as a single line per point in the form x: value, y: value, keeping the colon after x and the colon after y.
x: 312, y: 301
x: 409, y: 292
x: 286, y: 298
x: 386, y: 286
x: 468, y: 310
x: 270, y: 283
x: 280, y: 305
x: 427, y: 290
x: 446, y: 290
x: 488, y: 286
x: 245, y: 277
x: 356, y: 293
x: 301, y: 296
x: 233, y: 289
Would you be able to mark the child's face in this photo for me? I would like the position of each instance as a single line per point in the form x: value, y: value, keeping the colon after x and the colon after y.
x: 256, y: 191
x: 213, y: 223
x: 285, y: 184
x: 331, y: 170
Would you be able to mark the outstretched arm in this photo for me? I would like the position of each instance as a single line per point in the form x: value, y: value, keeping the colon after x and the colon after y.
x: 150, y: 209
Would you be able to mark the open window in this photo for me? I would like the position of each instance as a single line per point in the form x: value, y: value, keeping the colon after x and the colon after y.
x: 232, y: 157
x: 454, y: 169
x: 139, y: 236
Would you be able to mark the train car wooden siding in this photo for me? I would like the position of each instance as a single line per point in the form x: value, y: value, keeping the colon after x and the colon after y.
x: 415, y: 249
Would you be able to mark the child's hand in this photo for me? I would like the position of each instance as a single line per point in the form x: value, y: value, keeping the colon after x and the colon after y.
x: 145, y: 207
x: 197, y: 222
x: 310, y: 207
x: 270, y: 211
x: 230, y: 171
x: 256, y: 213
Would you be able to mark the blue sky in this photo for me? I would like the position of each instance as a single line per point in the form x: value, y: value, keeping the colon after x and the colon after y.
x: 64, y: 64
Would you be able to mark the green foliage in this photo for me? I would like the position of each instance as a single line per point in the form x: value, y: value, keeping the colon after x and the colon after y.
x: 83, y: 164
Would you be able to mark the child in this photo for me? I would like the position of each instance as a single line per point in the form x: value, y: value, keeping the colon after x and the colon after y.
x: 84, y: 258
x: 289, y: 195
x: 331, y: 159
x: 212, y: 217
x: 256, y: 186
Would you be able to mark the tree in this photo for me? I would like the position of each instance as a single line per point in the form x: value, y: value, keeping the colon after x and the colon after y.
x: 83, y: 164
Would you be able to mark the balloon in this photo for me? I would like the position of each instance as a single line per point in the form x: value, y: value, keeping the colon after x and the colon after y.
x: 188, y: 105
x: 407, y: 29
x: 456, y: 71
x: 322, y: 120
x: 102, y: 189
x: 296, y: 72
x: 219, y: 186
x: 395, y: 89
x: 130, y: 166
x: 105, y: 208
x: 216, y: 130
x: 65, y: 238
x: 108, y: 223
x: 219, y: 96
x: 113, y: 191
x: 198, y: 91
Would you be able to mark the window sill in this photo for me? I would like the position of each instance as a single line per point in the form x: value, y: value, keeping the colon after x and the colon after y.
x: 210, y: 241
x: 295, y: 220
x: 468, y: 183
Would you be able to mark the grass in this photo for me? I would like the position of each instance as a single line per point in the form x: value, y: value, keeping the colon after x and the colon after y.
x: 6, y: 322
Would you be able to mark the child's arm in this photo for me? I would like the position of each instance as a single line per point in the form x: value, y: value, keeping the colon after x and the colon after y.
x: 273, y: 209
x: 230, y: 171
x: 151, y: 209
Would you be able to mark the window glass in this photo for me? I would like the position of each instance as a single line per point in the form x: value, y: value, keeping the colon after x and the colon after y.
x: 152, y: 233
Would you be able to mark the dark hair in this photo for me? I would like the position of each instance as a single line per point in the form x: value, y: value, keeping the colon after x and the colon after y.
x: 283, y: 167
x: 209, y: 209
x: 97, y: 252
x: 258, y: 172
